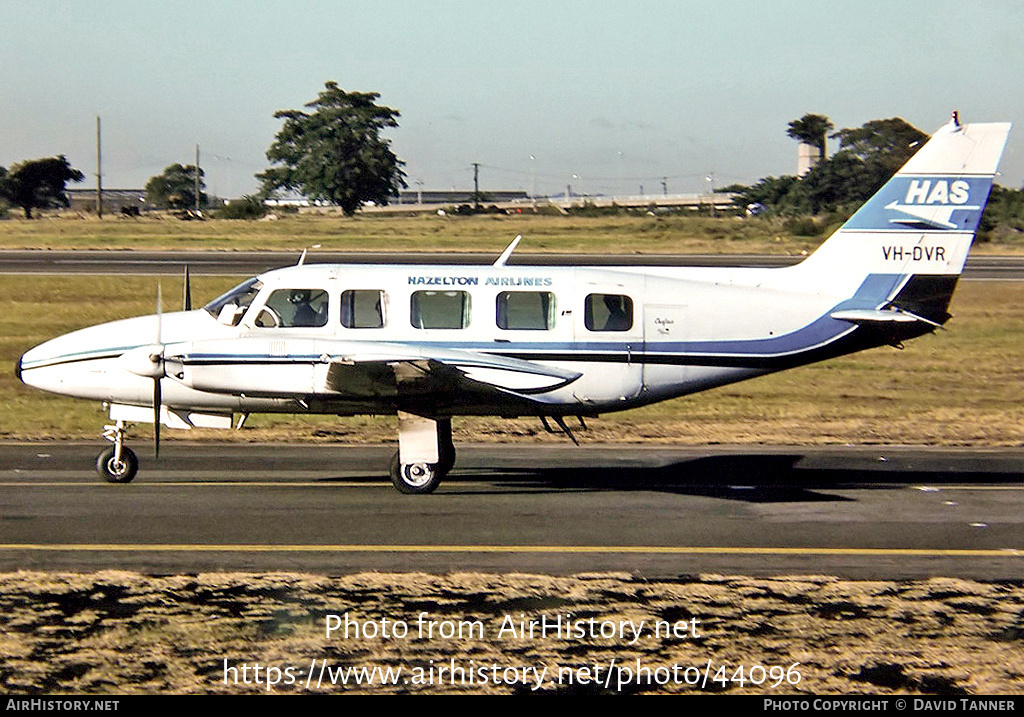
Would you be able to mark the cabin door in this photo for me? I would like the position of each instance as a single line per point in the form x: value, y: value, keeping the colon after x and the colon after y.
x: 665, y: 331
x: 609, y: 340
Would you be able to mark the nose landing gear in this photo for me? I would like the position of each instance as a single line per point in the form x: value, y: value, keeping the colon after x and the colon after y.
x: 117, y: 464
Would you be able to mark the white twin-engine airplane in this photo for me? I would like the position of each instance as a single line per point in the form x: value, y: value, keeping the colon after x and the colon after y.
x: 433, y: 342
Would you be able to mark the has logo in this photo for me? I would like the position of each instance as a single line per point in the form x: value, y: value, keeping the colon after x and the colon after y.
x: 922, y: 202
x: 936, y: 202
x: 939, y: 191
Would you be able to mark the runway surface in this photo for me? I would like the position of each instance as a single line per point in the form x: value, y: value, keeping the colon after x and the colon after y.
x: 254, y: 262
x: 866, y: 512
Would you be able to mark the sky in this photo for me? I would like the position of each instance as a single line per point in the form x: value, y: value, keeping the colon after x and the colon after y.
x: 606, y: 96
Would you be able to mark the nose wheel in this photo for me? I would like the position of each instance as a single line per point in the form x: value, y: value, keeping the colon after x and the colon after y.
x: 115, y: 468
x: 117, y: 464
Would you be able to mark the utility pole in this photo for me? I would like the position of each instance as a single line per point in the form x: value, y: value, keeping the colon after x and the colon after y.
x: 99, y: 173
x: 476, y: 185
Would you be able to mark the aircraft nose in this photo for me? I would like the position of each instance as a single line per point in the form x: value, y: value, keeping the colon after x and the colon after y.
x: 17, y: 369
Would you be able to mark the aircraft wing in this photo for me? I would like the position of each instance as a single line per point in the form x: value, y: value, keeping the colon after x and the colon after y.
x: 363, y: 370
x: 441, y: 372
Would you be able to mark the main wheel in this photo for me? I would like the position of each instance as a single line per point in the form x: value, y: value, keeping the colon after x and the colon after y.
x: 446, y: 449
x: 414, y: 478
x: 445, y: 461
x: 117, y: 471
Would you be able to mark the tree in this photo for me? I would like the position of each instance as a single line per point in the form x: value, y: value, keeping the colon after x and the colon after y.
x: 335, y: 152
x: 867, y: 157
x: 248, y: 207
x: 38, y: 183
x: 811, y: 129
x: 888, y: 143
x: 1004, y: 214
x: 176, y: 188
x: 841, y: 179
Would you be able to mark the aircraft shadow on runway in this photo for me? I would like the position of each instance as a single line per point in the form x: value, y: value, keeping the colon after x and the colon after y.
x: 764, y: 478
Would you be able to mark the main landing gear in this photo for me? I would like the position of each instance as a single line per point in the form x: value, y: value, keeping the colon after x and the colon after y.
x: 424, y: 457
x: 425, y: 453
x: 117, y: 464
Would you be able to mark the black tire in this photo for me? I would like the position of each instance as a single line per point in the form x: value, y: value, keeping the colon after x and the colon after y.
x: 446, y: 451
x: 113, y: 472
x: 445, y: 461
x: 414, y: 478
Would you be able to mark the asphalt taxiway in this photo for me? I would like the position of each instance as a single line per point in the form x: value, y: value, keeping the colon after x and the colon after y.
x: 860, y: 512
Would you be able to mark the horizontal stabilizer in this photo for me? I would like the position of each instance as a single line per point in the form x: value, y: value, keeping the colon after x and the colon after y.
x: 880, y: 316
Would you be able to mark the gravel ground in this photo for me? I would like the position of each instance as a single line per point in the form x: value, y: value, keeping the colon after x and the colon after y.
x: 119, y: 632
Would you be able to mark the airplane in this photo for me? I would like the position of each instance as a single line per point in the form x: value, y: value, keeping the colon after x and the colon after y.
x: 430, y: 343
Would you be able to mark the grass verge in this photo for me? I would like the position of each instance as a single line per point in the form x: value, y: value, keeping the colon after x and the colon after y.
x: 624, y: 233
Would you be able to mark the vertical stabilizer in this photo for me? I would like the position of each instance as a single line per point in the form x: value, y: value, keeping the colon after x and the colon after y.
x: 920, y: 224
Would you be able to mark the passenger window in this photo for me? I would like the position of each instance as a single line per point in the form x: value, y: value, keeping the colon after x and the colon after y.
x: 528, y: 310
x: 362, y: 309
x: 292, y: 308
x: 608, y: 312
x: 440, y: 309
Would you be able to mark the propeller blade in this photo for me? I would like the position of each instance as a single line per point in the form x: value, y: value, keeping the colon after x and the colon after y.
x: 159, y: 316
x: 159, y: 359
x: 186, y: 298
x: 157, y: 403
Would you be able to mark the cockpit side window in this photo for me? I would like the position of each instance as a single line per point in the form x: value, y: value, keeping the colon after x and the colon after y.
x: 294, y: 308
x: 239, y: 297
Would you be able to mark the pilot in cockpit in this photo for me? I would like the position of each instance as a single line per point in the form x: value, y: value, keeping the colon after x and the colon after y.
x: 304, y: 312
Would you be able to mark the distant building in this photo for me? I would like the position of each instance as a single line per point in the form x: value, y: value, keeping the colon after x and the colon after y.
x: 412, y: 196
x: 114, y: 200
x: 808, y: 156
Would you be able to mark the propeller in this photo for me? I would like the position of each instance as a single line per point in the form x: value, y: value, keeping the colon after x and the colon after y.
x: 149, y: 362
x: 157, y: 357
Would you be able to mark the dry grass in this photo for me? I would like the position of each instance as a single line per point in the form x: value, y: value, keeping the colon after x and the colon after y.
x: 638, y: 234
x: 118, y: 633
x: 420, y: 233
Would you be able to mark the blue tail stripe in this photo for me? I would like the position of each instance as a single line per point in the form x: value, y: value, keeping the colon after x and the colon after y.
x: 925, y: 202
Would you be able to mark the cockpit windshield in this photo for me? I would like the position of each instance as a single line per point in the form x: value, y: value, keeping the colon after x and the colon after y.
x: 241, y: 296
